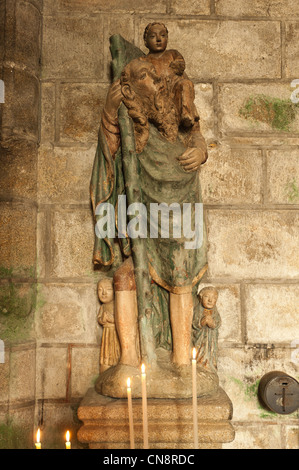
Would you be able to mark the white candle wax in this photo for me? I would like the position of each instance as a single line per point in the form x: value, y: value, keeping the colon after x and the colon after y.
x: 144, y: 407
x: 194, y: 400
x: 130, y: 408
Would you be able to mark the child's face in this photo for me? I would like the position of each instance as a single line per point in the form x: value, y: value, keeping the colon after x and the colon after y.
x: 209, y: 299
x: 156, y: 39
x: 105, y: 291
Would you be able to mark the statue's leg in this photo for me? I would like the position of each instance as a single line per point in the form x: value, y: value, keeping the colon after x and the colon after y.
x: 126, y: 313
x: 181, y: 314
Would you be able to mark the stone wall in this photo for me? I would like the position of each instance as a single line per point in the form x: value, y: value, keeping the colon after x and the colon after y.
x: 242, y: 57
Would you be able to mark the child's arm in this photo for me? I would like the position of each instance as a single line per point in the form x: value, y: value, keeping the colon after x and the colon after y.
x: 178, y: 63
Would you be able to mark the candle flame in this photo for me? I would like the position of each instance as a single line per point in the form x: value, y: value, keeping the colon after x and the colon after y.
x: 128, y: 382
x: 194, y: 353
x: 142, y: 368
x: 38, y: 436
x: 67, y: 436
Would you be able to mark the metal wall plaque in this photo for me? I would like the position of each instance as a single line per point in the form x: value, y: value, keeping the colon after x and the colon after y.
x: 279, y: 392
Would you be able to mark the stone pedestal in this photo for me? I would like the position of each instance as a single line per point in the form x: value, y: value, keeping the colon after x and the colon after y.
x: 170, y: 422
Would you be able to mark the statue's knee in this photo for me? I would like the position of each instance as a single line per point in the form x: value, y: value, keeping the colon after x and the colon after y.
x: 124, y: 278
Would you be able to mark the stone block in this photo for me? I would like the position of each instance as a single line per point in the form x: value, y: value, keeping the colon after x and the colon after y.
x: 252, y: 437
x: 64, y: 174
x: 169, y: 422
x: 259, y: 8
x: 20, y: 428
x: 85, y: 368
x: 48, y: 110
x: 292, y: 437
x: 22, y: 373
x: 204, y: 102
x: 18, y: 240
x: 232, y: 176
x: 225, y: 49
x: 68, y: 313
x: 278, y: 321
x: 283, y: 176
x: 72, y: 47
x: 51, y: 372
x: 242, y: 112
x: 21, y: 108
x: 17, y: 304
x: 142, y: 6
x: 18, y: 177
x: 252, y: 244
x: 292, y: 37
x: 190, y: 7
x: 80, y: 111
x: 240, y: 370
x: 58, y: 418
x: 72, y: 243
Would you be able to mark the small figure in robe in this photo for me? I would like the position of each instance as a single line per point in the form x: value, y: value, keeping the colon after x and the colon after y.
x: 110, y: 348
x: 206, y: 323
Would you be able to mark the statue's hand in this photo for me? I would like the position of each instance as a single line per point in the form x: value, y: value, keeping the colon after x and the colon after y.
x: 113, y: 100
x: 191, y: 159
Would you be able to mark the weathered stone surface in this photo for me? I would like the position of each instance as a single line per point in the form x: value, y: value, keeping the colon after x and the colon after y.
x: 64, y: 174
x: 85, y: 368
x: 18, y: 176
x: 22, y: 373
x: 142, y: 6
x: 80, y: 111
x: 292, y: 37
x: 226, y: 49
x: 170, y: 422
x: 232, y: 176
x: 51, y: 372
x: 67, y: 314
x: 72, y: 243
x: 190, y: 7
x: 240, y: 370
x: 48, y: 111
x: 252, y: 244
x: 292, y: 437
x: 278, y: 322
x: 72, y: 47
x: 204, y: 103
x: 234, y: 97
x: 21, y: 108
x: 274, y: 9
x: 283, y: 176
x: 18, y: 239
x: 267, y: 436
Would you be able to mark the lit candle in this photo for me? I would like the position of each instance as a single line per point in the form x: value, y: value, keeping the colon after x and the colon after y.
x: 67, y: 444
x: 194, y: 400
x: 38, y: 443
x: 144, y: 407
x: 129, y: 392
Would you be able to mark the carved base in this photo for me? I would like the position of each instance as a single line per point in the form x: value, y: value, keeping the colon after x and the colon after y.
x: 164, y: 380
x: 170, y: 422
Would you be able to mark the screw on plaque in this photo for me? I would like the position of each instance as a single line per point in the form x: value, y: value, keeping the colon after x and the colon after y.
x: 279, y: 392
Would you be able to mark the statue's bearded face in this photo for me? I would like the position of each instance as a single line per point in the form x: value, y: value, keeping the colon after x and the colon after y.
x: 147, y: 98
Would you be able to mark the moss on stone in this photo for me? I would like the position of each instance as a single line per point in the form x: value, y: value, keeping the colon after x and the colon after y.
x: 13, y: 436
x: 17, y: 304
x: 278, y: 113
x: 292, y: 190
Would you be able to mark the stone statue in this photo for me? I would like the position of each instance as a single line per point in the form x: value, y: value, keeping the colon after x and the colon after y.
x: 149, y: 154
x: 110, y: 349
x: 206, y: 323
